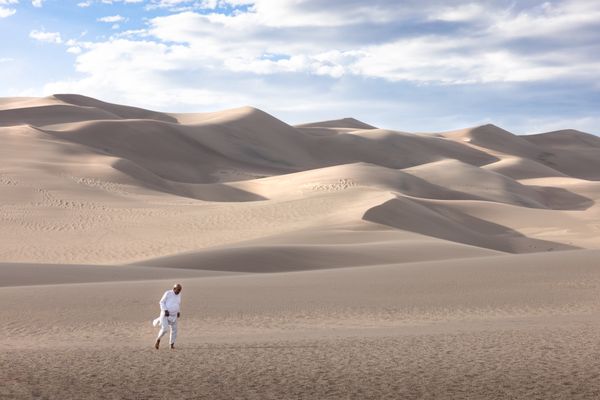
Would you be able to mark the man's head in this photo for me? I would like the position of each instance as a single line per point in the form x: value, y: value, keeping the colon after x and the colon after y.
x: 177, y: 288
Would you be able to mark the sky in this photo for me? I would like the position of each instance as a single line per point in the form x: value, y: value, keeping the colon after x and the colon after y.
x: 415, y: 65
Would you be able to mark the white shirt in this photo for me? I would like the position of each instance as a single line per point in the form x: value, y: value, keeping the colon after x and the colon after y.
x: 170, y: 301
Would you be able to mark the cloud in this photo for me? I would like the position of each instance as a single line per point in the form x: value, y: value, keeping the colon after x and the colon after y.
x: 217, y: 50
x: 483, y: 53
x: 37, y: 3
x: 546, y: 19
x: 291, y: 36
x: 48, y: 37
x: 88, y: 3
x: 112, y: 19
x: 459, y: 13
x: 7, y: 11
x: 183, y: 5
x: 74, y: 50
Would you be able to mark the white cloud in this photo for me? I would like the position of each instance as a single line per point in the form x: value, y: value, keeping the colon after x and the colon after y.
x: 169, y: 3
x: 293, y: 13
x: 265, y: 40
x: 112, y: 19
x: 464, y: 12
x: 209, y: 4
x: 184, y: 5
x: 239, y: 43
x: 131, y: 33
x: 7, y: 11
x: 450, y: 61
x: 88, y: 3
x: 217, y: 60
x: 48, y: 37
x: 246, y: 43
x: 74, y: 50
x: 37, y: 3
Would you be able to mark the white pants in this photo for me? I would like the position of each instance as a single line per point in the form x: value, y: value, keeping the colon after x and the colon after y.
x: 165, y: 323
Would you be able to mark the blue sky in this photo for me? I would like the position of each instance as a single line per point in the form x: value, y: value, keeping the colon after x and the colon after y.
x: 415, y: 65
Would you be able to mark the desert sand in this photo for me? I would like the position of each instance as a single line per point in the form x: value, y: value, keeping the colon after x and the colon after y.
x: 329, y: 260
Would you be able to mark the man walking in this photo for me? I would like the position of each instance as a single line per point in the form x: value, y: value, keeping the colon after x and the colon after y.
x: 169, y: 313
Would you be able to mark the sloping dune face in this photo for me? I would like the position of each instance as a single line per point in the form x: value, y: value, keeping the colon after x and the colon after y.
x: 89, y: 182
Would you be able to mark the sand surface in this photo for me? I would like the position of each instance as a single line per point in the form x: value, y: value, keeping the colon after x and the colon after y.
x: 327, y: 260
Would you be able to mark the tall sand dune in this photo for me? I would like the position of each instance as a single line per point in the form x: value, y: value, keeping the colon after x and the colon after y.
x: 496, y: 139
x: 344, y: 123
x: 124, y: 112
x: 522, y: 168
x: 564, y: 139
x: 85, y: 181
x: 576, y: 159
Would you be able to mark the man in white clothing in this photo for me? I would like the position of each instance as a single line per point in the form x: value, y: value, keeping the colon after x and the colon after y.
x: 170, y: 304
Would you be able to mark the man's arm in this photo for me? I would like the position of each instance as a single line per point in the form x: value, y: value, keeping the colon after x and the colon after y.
x: 163, y: 304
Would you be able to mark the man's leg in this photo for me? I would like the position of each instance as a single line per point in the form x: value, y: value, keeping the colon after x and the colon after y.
x: 173, y: 333
x: 164, y: 326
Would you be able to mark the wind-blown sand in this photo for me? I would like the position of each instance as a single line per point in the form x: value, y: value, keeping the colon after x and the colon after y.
x: 328, y: 260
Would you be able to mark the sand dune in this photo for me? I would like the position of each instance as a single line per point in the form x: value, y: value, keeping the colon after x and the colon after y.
x: 9, y: 103
x: 570, y: 150
x: 489, y: 185
x: 125, y: 112
x: 24, y: 274
x: 51, y: 114
x: 522, y: 168
x: 496, y: 139
x: 544, y: 148
x: 564, y: 138
x: 345, y: 177
x: 311, y: 249
x: 443, y: 222
x: 215, y: 179
x: 344, y: 123
x: 393, y: 149
x: 497, y: 187
x: 325, y: 260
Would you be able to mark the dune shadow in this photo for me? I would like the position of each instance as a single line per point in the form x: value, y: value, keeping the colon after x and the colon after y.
x: 217, y: 192
x: 563, y: 199
x: 267, y: 259
x: 444, y: 223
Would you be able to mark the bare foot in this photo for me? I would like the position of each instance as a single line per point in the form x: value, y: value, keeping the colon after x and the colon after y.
x: 157, y: 344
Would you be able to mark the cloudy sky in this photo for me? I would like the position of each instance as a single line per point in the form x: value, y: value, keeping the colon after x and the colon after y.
x: 415, y: 65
